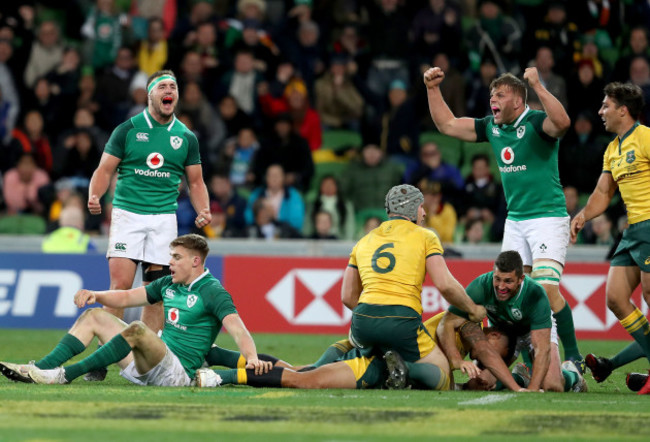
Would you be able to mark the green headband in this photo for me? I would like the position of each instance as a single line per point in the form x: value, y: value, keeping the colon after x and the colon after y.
x: 158, y: 80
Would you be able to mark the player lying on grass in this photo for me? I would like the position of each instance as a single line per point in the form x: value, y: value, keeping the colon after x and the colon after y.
x: 196, y: 306
x: 343, y: 366
x: 517, y: 306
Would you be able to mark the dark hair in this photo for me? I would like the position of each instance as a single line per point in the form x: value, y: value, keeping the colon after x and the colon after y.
x: 510, y: 261
x: 157, y: 74
x: 340, y: 202
x: 480, y: 156
x: 193, y: 242
x: 628, y: 95
x: 515, y: 84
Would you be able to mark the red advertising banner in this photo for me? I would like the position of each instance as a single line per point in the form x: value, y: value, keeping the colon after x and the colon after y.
x: 302, y: 295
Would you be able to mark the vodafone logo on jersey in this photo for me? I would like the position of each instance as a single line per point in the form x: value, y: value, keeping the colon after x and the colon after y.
x: 507, y: 155
x: 172, y: 315
x: 310, y: 297
x: 155, y: 160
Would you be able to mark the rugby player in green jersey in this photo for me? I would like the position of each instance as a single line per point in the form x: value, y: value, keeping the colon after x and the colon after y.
x: 518, y: 307
x: 626, y: 166
x: 196, y: 306
x: 525, y: 143
x: 151, y: 152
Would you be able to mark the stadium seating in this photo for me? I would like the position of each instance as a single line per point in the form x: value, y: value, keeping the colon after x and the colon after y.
x: 341, y: 139
x: 22, y: 225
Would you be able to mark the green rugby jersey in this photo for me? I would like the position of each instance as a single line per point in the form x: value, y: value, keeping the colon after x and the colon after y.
x: 153, y: 160
x: 527, y: 160
x: 526, y: 311
x: 193, y: 316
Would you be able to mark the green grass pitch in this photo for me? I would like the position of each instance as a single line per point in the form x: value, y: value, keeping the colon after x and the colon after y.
x: 116, y: 410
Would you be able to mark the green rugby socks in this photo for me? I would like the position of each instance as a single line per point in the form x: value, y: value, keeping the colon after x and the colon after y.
x: 113, y: 351
x: 68, y: 347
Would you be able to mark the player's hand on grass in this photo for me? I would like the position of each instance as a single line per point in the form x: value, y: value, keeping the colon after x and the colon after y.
x: 84, y: 297
x: 478, y: 314
x: 260, y: 367
x: 577, y: 224
x: 470, y: 369
x: 433, y: 77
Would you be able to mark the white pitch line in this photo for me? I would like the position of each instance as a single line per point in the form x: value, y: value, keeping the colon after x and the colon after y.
x: 489, y: 399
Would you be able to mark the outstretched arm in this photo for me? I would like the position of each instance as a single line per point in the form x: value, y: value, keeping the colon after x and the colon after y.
x: 112, y: 298
x: 541, y: 342
x: 451, y: 289
x: 236, y: 328
x: 442, y: 116
x: 557, y: 121
x: 597, y: 203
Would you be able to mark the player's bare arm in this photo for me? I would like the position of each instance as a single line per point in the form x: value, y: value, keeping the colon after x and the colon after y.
x: 351, y: 287
x: 442, y: 116
x: 198, y: 195
x: 236, y: 328
x: 541, y: 342
x: 112, y: 298
x: 598, y: 202
x: 100, y: 181
x: 557, y: 121
x: 446, y: 333
x: 451, y: 289
x: 474, y: 338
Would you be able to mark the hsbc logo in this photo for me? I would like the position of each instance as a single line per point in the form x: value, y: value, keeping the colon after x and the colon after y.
x: 310, y: 297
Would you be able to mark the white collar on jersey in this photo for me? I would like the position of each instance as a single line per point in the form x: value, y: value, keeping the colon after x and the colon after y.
x: 145, y: 112
x: 201, y: 276
x: 521, y: 117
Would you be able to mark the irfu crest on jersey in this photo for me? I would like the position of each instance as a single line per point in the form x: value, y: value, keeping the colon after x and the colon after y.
x: 176, y: 142
x: 521, y: 131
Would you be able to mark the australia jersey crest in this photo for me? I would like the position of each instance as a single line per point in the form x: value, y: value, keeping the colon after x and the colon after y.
x: 176, y: 142
x: 630, y: 157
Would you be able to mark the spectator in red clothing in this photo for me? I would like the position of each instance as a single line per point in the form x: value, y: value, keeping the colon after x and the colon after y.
x: 20, y: 186
x: 306, y: 121
x: 34, y: 140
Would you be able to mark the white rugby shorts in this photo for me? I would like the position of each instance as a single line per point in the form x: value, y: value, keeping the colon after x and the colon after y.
x: 143, y: 238
x: 540, y: 238
x: 168, y: 373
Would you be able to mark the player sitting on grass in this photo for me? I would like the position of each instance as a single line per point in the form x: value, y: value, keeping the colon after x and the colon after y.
x: 196, y: 307
x: 519, y: 307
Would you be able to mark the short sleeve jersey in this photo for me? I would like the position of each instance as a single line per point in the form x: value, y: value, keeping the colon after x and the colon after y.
x: 391, y: 260
x: 193, y: 316
x: 153, y: 160
x: 628, y: 160
x: 527, y: 310
x: 528, y: 161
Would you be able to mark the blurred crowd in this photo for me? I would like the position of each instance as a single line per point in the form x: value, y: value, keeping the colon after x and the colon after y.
x: 265, y: 84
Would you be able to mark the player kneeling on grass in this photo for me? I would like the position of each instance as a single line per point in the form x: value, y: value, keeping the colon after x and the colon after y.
x: 196, y: 307
x: 518, y: 306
